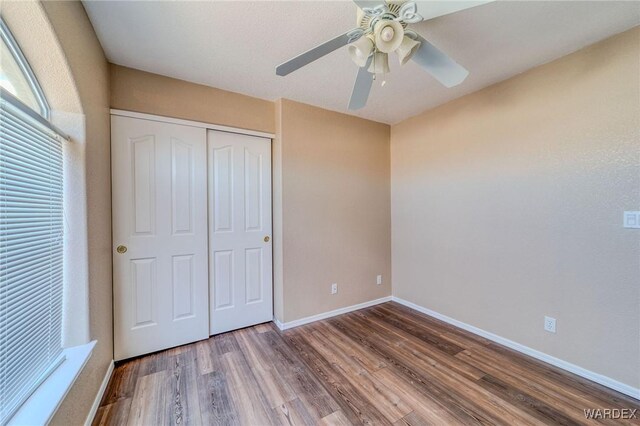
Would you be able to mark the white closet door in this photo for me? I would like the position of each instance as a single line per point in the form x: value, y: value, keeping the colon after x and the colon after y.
x: 159, y: 177
x: 239, y: 231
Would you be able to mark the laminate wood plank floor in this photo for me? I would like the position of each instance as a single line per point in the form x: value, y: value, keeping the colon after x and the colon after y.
x: 382, y: 365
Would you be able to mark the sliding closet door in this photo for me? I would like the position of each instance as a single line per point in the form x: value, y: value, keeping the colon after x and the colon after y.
x: 239, y: 231
x: 159, y: 177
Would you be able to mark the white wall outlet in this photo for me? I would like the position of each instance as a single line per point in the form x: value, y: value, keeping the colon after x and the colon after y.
x: 550, y: 324
x: 334, y: 288
x: 631, y: 220
x: 379, y: 279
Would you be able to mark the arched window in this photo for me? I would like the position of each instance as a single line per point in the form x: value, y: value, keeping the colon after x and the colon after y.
x: 31, y: 233
x: 16, y: 76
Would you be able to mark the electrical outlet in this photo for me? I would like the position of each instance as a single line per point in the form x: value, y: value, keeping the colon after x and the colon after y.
x: 631, y: 220
x: 550, y: 324
x: 379, y: 279
x: 334, y: 288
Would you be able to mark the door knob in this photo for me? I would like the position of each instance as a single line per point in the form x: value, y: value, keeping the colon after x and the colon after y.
x: 121, y: 249
x: 266, y: 239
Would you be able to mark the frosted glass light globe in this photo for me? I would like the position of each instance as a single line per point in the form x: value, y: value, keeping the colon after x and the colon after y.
x: 387, y: 34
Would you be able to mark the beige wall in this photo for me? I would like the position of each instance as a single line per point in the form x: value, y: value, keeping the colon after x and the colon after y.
x: 507, y: 206
x: 140, y: 91
x: 335, y: 210
x: 90, y: 72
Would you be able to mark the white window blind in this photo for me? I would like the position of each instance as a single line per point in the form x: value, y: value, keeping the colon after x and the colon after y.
x: 31, y: 250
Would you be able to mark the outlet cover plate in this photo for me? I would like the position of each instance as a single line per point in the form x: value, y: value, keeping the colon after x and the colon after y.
x: 550, y: 324
x: 631, y: 220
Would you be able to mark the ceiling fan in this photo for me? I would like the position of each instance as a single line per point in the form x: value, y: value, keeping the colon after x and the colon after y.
x: 382, y: 29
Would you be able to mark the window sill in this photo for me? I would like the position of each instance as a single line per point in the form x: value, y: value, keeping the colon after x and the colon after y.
x: 43, y: 403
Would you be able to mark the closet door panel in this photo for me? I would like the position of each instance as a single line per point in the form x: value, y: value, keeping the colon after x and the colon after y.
x: 239, y: 230
x: 160, y: 260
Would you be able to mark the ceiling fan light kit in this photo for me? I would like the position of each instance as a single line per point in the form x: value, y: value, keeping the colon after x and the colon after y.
x: 407, y: 49
x: 360, y: 50
x: 388, y: 35
x: 381, y: 30
x: 379, y: 64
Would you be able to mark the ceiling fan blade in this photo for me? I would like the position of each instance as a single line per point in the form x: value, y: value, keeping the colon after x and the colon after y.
x: 318, y: 52
x: 444, y: 69
x: 361, y: 88
x: 433, y: 9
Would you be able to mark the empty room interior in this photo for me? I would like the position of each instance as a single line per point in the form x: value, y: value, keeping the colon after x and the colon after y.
x: 319, y: 212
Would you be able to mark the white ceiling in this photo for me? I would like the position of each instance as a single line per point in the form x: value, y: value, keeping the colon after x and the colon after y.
x: 237, y: 45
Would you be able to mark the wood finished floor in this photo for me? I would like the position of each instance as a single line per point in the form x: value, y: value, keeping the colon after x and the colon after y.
x: 381, y: 365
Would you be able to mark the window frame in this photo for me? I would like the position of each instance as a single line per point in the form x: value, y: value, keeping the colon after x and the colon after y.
x: 27, y: 110
x: 12, y: 44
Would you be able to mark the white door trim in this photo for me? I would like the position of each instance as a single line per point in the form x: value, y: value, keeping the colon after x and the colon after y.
x: 202, y: 125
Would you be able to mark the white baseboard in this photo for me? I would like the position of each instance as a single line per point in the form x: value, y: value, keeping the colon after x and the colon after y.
x: 325, y: 315
x: 101, y: 391
x: 572, y: 368
x: 278, y: 323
